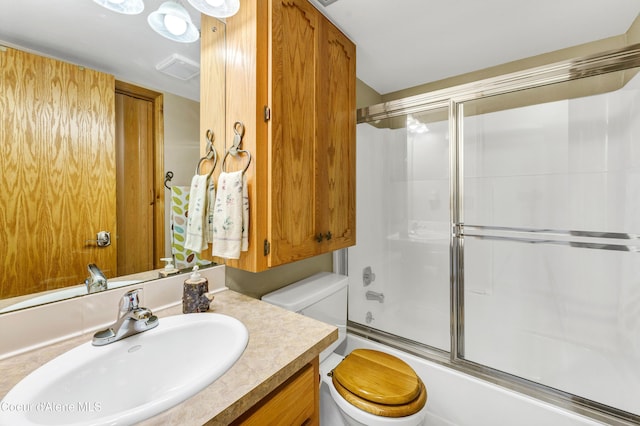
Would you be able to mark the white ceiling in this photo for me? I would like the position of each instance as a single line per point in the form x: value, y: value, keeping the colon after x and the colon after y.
x: 401, y: 43
x: 404, y: 43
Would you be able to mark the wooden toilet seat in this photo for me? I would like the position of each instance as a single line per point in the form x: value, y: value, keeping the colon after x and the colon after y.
x: 379, y: 383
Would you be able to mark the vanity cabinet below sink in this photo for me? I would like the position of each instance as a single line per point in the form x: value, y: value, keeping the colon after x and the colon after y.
x: 295, y: 402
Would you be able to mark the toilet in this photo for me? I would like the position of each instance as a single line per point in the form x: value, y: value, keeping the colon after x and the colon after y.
x: 366, y: 387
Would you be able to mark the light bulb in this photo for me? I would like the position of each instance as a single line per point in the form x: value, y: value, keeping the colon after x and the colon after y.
x: 215, y: 3
x: 175, y: 25
x: 116, y: 1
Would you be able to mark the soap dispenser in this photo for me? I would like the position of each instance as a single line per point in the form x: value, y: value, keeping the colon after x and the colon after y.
x: 196, y: 296
x: 169, y: 269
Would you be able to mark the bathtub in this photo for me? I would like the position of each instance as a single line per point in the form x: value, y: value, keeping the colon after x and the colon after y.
x: 458, y: 399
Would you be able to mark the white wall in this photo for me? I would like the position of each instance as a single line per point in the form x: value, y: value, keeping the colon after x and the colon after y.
x: 402, y: 221
x: 181, y: 147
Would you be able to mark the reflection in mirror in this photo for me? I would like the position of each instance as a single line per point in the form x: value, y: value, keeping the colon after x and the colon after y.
x: 71, y: 174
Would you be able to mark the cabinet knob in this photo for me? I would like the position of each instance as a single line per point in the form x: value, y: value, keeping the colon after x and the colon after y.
x: 319, y: 237
x: 328, y: 235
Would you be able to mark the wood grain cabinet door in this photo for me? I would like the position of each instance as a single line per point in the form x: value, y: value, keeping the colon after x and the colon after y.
x: 336, y: 143
x: 295, y: 402
x: 294, y: 59
x: 313, y: 134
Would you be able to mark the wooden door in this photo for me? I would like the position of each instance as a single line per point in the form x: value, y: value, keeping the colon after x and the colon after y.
x: 57, y: 163
x: 294, y: 50
x: 336, y: 143
x: 135, y: 183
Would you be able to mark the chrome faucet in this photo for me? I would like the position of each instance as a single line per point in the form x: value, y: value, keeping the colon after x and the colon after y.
x: 96, y: 281
x: 132, y: 319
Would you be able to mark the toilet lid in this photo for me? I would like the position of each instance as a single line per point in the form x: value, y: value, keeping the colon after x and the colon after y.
x: 379, y: 383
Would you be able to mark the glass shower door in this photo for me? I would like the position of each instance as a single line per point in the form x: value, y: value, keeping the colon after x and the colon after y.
x: 551, y: 231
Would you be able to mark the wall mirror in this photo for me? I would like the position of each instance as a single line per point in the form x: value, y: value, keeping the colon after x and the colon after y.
x: 57, y: 167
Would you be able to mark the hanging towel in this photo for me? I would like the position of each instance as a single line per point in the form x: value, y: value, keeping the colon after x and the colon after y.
x: 178, y: 220
x: 196, y: 238
x: 245, y: 214
x: 183, y: 258
x: 211, y: 201
x: 231, y: 216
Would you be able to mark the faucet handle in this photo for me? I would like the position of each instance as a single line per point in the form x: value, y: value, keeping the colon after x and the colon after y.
x: 129, y: 301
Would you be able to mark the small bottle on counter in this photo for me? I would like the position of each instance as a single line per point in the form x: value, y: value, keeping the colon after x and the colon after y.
x: 169, y: 269
x: 196, y: 296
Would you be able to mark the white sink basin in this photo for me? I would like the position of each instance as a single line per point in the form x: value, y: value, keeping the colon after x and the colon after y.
x: 129, y: 380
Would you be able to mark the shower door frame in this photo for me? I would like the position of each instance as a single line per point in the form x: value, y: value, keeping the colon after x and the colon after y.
x: 454, y: 98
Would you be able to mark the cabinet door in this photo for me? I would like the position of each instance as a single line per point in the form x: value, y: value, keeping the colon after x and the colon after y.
x: 294, y: 50
x: 295, y: 402
x: 336, y: 142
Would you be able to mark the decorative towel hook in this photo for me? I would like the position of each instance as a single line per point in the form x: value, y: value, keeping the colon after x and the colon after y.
x: 211, y: 154
x: 234, y: 149
x: 167, y: 178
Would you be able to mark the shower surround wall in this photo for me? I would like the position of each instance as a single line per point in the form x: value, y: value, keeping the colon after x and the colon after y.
x: 403, y: 223
x: 547, y: 241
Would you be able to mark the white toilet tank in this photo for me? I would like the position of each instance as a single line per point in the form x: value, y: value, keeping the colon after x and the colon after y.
x: 322, y: 296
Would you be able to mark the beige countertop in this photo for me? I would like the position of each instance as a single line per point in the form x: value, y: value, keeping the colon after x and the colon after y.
x: 280, y: 343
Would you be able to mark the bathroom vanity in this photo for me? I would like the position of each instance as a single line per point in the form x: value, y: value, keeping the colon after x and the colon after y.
x: 276, y: 376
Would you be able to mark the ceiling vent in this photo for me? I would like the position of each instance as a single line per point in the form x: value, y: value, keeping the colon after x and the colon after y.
x: 326, y: 3
x: 179, y: 67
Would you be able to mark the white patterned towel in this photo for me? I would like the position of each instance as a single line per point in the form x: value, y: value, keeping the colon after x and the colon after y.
x: 196, y: 238
x: 231, y: 216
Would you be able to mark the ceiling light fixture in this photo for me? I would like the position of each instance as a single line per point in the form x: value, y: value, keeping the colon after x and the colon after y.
x: 127, y: 7
x: 172, y: 21
x: 217, y: 8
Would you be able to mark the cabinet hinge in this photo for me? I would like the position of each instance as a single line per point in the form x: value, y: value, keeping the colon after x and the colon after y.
x: 267, y: 113
x: 267, y: 247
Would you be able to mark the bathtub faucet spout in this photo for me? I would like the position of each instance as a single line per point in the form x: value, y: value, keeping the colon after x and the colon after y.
x: 97, y: 281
